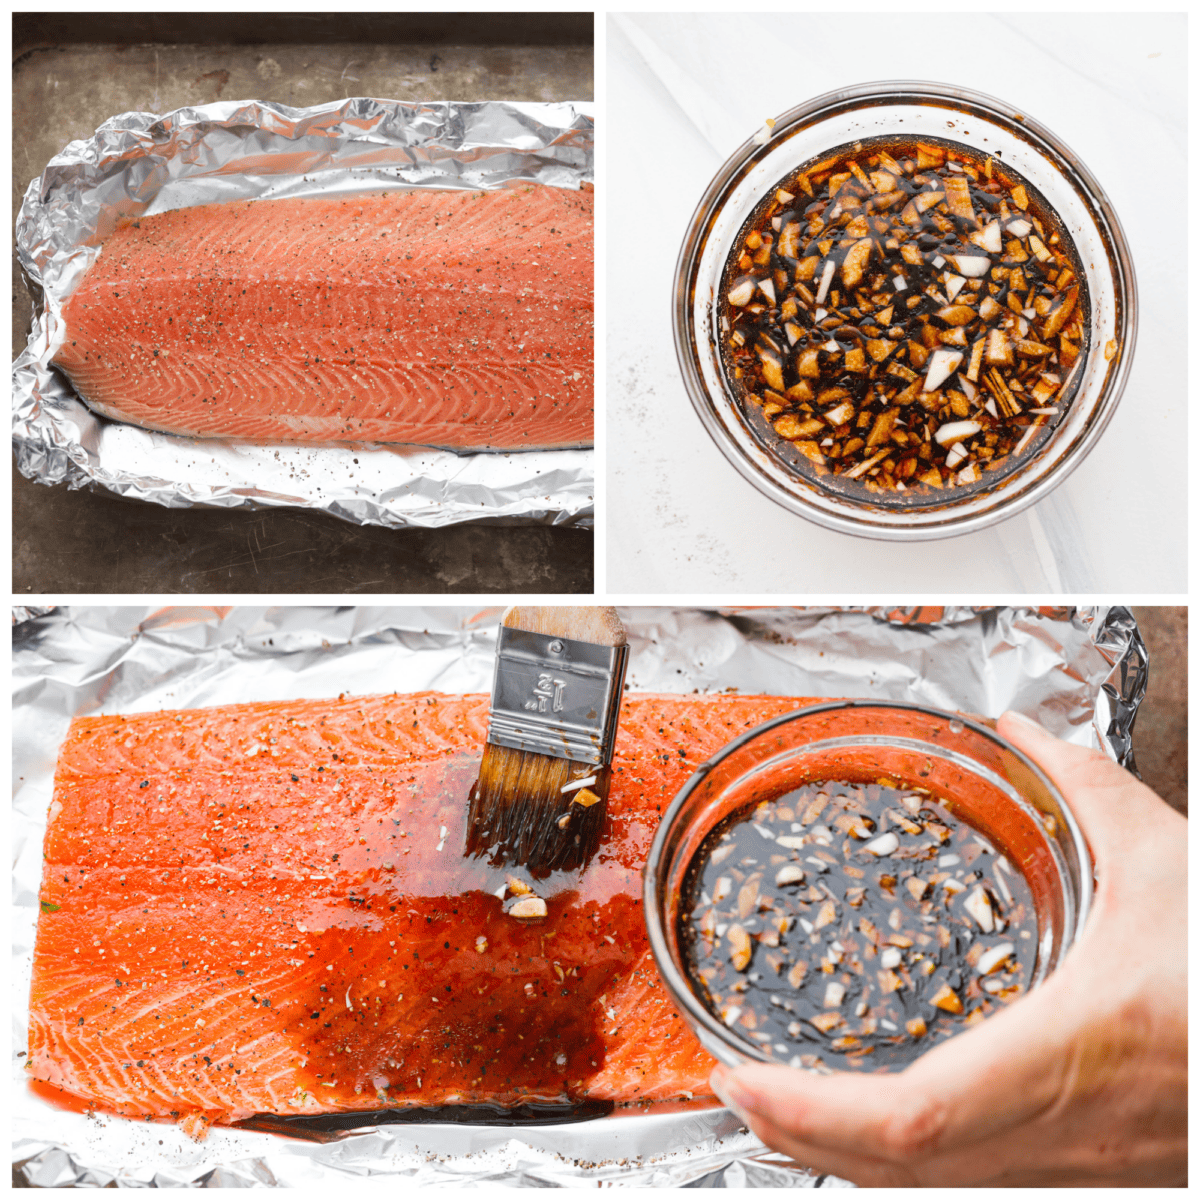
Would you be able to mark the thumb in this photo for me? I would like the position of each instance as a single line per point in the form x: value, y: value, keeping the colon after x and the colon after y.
x: 1107, y: 800
x: 1140, y: 848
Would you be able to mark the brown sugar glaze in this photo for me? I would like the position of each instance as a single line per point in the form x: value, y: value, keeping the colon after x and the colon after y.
x: 265, y: 909
x: 829, y: 372
x: 854, y: 924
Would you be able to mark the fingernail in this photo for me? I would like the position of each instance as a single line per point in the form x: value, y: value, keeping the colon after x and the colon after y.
x: 731, y: 1093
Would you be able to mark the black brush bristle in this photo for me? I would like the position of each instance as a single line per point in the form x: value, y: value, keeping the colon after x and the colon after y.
x: 520, y: 816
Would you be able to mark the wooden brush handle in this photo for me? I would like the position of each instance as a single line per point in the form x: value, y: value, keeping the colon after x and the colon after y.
x: 594, y: 623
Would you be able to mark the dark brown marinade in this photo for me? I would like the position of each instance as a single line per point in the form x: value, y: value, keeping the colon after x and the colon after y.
x: 833, y: 383
x: 869, y: 959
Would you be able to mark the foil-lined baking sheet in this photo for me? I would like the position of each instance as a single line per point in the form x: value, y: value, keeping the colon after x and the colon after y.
x: 1080, y: 671
x: 142, y: 164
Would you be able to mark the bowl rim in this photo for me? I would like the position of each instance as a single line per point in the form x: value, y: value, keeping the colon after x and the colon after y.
x: 1042, y: 139
x: 676, y: 985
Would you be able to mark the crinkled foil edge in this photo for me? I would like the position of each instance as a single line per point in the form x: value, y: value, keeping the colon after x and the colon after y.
x: 135, y: 157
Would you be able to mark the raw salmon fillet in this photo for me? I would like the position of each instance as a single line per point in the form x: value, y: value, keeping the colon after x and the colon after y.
x: 264, y: 909
x: 440, y: 318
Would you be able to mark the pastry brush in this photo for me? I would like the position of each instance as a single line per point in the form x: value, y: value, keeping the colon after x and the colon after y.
x: 541, y: 797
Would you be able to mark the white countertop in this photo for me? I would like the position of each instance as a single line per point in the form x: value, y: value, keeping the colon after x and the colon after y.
x: 683, y: 92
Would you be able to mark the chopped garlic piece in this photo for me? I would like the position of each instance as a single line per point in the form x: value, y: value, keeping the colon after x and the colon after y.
x: 883, y: 845
x: 973, y: 266
x: 991, y: 959
x: 954, y: 431
x: 942, y: 364
x: 740, y: 294
x: 980, y: 907
x: 576, y: 784
x: 826, y: 280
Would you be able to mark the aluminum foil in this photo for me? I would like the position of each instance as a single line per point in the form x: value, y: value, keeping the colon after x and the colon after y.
x: 1081, y: 672
x: 141, y: 164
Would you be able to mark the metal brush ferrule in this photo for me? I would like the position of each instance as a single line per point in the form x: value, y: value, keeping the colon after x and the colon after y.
x: 556, y: 696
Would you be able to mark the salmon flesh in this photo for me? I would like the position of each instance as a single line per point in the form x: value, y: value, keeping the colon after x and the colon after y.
x: 458, y: 319
x: 264, y: 908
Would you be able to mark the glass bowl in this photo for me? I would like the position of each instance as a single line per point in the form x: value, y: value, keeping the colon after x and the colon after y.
x: 978, y: 775
x: 913, y: 110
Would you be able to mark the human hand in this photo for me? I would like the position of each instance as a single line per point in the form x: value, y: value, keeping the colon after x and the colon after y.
x: 1081, y: 1082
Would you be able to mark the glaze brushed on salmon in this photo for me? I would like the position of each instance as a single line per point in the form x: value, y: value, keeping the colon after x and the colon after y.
x: 263, y: 908
x: 457, y: 319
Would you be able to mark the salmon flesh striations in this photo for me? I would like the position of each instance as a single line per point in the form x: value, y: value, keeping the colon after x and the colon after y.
x: 264, y: 908
x: 459, y: 319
